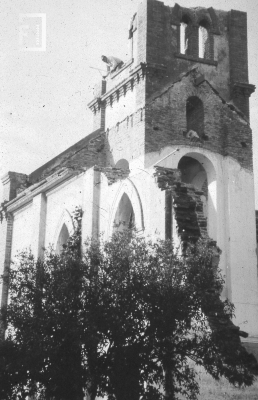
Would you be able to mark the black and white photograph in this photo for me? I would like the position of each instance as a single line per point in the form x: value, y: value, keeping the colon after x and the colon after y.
x: 128, y: 200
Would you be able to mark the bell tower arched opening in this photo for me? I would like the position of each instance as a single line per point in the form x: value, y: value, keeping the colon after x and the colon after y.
x: 185, y: 31
x: 205, y: 40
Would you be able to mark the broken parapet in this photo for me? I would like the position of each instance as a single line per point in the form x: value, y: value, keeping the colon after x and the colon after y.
x: 166, y: 177
x: 113, y: 174
x: 188, y: 206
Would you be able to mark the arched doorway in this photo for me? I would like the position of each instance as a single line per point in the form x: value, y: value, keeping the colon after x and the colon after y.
x: 124, y: 217
x: 197, y: 170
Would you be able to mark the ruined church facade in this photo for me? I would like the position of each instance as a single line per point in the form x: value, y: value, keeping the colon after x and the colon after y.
x: 170, y: 152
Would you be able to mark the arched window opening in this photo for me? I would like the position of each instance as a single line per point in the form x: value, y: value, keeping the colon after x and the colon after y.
x: 124, y: 218
x: 194, y: 173
x: 195, y: 117
x: 62, y: 239
x: 184, y: 35
x: 204, y: 40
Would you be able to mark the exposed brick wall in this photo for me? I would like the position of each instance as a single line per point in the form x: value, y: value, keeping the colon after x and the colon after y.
x: 239, y: 60
x: 226, y: 132
x: 158, y: 44
x: 163, y: 122
x: 191, y: 226
x: 195, y: 115
x: 81, y: 156
x: 187, y: 203
x: 113, y: 174
x: 193, y: 49
x: 159, y: 41
x: 158, y: 28
x: 238, y: 46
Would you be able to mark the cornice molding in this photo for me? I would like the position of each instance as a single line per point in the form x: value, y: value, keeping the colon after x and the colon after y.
x: 245, y: 89
x: 46, y: 184
x: 135, y: 76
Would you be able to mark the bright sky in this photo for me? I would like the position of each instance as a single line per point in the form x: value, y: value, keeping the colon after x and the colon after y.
x: 44, y: 94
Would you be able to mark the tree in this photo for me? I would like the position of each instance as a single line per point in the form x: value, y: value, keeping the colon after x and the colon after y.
x: 122, y: 319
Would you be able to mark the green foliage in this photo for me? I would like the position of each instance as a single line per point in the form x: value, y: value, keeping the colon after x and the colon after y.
x: 122, y: 319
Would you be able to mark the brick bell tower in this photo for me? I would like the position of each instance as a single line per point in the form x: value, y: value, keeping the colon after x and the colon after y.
x: 181, y: 102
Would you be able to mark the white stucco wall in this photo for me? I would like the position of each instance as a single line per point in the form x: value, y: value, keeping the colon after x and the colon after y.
x: 22, y: 229
x: 125, y: 106
x: 147, y: 200
x: 61, y: 202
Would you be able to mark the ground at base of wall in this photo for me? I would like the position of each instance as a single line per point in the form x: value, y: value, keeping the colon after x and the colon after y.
x: 222, y: 390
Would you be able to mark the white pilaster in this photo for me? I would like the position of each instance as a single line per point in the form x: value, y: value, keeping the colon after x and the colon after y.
x: 90, y: 206
x: 39, y: 222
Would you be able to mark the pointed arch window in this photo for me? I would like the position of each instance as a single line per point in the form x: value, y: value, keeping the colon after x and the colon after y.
x: 125, y: 217
x: 62, y: 239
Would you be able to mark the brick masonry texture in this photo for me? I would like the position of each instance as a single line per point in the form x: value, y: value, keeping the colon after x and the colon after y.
x: 159, y: 42
x: 159, y: 118
x: 238, y: 46
x: 161, y: 25
x: 191, y: 226
x: 81, y: 156
x: 226, y: 131
x: 113, y: 174
x: 188, y: 206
